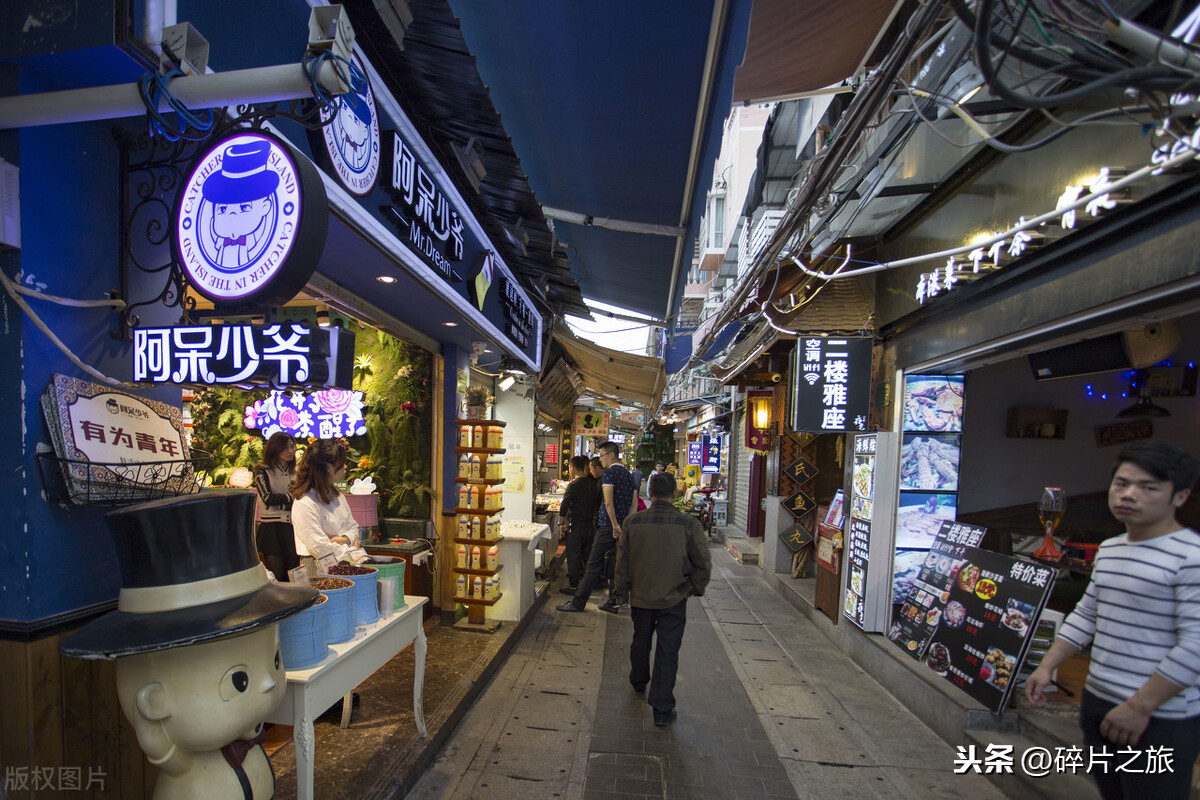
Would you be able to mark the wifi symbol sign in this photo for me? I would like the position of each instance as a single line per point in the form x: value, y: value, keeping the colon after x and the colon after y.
x: 812, y: 378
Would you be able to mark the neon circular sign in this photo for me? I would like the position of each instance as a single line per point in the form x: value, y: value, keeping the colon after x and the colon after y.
x: 352, y: 138
x: 251, y: 221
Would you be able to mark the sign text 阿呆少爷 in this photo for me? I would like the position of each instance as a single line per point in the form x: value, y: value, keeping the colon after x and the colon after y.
x: 251, y: 221
x: 279, y: 355
x: 831, y: 384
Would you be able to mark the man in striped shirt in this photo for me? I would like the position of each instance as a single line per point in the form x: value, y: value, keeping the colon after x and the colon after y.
x: 1141, y: 614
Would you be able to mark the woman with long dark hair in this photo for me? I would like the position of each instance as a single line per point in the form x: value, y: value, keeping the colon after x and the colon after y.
x: 321, y: 518
x: 272, y: 478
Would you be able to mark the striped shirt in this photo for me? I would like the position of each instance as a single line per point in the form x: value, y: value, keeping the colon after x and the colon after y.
x: 1141, y: 612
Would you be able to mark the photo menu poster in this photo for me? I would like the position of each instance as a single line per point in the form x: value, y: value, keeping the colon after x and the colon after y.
x: 984, y: 631
x: 922, y: 607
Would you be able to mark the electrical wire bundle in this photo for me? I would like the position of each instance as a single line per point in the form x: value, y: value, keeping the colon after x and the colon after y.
x: 348, y: 75
x: 153, y: 89
x: 1084, y: 42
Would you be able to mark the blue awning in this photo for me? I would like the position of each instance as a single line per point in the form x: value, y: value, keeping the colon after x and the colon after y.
x: 603, y: 102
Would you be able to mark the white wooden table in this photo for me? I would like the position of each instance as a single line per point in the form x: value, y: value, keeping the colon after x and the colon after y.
x: 313, y: 689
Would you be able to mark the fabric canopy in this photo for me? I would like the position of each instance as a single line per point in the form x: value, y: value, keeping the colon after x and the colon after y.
x: 797, y: 46
x: 611, y: 373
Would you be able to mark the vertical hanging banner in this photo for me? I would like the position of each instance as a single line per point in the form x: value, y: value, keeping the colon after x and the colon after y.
x: 831, y: 384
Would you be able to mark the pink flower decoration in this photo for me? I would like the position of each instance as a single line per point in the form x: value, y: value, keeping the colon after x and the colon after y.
x: 335, y: 401
x: 252, y: 415
x: 288, y: 418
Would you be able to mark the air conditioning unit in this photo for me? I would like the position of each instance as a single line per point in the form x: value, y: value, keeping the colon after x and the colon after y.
x: 1150, y: 344
x: 1137, y: 348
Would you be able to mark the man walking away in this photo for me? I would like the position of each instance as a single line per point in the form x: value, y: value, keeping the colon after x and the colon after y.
x: 577, y: 513
x: 1141, y: 614
x: 618, y: 494
x: 662, y: 560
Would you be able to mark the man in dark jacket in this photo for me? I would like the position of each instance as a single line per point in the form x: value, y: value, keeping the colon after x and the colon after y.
x: 662, y: 560
x: 577, y: 512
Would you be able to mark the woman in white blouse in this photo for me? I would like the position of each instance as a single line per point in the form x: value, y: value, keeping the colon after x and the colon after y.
x: 321, y: 517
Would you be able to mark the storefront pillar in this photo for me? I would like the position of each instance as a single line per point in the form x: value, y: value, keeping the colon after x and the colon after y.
x: 775, y: 556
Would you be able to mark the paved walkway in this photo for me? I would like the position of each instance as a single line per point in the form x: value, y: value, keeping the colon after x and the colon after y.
x: 767, y: 708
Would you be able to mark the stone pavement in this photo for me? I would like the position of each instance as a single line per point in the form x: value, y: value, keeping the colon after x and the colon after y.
x: 767, y: 708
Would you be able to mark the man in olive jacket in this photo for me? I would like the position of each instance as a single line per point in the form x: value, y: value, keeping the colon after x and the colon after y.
x: 662, y: 560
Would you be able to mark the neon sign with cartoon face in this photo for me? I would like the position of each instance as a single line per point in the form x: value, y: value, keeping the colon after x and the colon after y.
x: 352, y: 138
x: 245, y: 228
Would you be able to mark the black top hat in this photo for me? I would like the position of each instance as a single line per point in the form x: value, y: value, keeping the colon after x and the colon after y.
x: 189, y: 574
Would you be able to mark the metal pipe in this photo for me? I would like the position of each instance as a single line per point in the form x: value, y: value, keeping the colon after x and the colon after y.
x: 612, y: 224
x: 216, y: 90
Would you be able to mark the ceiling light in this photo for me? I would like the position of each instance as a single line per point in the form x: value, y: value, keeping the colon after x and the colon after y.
x: 1144, y: 407
x: 507, y: 382
x: 450, y: 324
x: 386, y: 279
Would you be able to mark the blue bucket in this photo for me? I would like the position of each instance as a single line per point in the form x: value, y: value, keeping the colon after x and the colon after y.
x: 365, y: 597
x: 339, y: 616
x: 302, y: 636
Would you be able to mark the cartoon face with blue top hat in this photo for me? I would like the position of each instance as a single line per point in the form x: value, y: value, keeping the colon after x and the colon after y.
x: 243, y: 204
x: 352, y: 137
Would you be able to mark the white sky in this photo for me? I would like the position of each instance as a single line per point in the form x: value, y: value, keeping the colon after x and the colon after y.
x: 617, y: 334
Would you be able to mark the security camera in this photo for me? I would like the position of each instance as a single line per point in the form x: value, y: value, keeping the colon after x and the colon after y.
x: 478, y: 348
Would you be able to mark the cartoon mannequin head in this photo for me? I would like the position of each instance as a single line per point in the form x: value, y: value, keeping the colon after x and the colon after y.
x: 240, y: 204
x: 196, y: 640
x: 354, y: 120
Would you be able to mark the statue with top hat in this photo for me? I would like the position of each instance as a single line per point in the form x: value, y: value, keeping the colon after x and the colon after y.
x: 196, y: 642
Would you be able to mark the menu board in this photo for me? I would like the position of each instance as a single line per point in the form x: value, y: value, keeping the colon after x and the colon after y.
x: 858, y: 531
x: 933, y: 403
x: 924, y: 603
x: 983, y: 631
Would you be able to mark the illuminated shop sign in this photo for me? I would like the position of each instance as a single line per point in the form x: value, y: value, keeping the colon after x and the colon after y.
x: 328, y: 414
x: 831, y: 384
x: 284, y: 354
x: 695, y: 453
x: 423, y: 214
x: 710, y: 454
x: 251, y: 221
x: 351, y: 141
x: 521, y: 321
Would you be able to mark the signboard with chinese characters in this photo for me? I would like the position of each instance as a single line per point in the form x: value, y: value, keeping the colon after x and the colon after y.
x: 551, y: 452
x: 250, y: 222
x: 831, y: 384
x: 869, y: 539
x: 280, y: 355
x: 695, y: 453
x: 801, y: 471
x: 929, y: 591
x: 795, y: 537
x: 333, y: 413
x: 591, y: 423
x: 115, y: 445
x: 985, y: 626
x: 710, y: 454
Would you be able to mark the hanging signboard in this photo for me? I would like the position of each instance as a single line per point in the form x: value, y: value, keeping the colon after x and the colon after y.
x: 551, y: 452
x: 801, y: 471
x: 796, y: 537
x: 281, y: 355
x: 591, y: 423
x: 348, y: 145
x: 695, y: 453
x: 984, y: 629
x: 925, y: 603
x: 250, y: 222
x: 710, y: 454
x: 799, y: 504
x: 831, y: 384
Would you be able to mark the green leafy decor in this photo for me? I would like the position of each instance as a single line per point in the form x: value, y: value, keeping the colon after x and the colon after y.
x: 217, y: 428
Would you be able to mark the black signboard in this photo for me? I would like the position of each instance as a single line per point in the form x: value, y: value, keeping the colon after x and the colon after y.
x: 285, y: 354
x: 710, y: 454
x: 831, y: 384
x: 984, y: 628
x: 913, y: 626
x: 801, y: 471
x: 799, y: 504
x: 796, y: 536
x: 858, y: 550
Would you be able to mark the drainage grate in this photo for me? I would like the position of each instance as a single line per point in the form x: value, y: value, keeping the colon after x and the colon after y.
x: 625, y: 775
